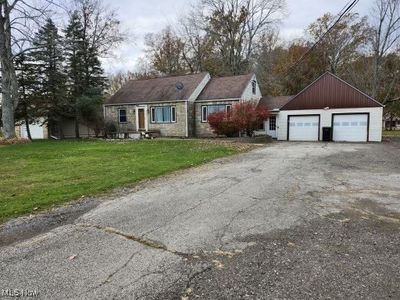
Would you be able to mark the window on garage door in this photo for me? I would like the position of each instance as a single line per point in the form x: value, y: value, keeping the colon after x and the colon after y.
x: 350, y: 127
x: 303, y: 128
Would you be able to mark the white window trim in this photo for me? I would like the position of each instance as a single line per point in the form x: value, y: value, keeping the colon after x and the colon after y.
x: 204, y: 116
x: 119, y: 115
x: 205, y: 120
x: 173, y: 114
x: 254, y: 87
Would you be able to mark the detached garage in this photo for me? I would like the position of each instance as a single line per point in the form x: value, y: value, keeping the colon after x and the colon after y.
x: 328, y: 109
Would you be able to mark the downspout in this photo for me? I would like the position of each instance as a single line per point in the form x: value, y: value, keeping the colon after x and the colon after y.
x: 187, y: 119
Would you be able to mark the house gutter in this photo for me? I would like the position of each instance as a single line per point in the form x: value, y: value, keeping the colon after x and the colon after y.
x: 144, y: 103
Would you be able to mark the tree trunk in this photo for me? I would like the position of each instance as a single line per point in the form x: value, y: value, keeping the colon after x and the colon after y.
x: 7, y: 114
x: 28, y: 130
x: 9, y: 79
x: 77, y: 135
x: 375, y: 76
x: 9, y: 95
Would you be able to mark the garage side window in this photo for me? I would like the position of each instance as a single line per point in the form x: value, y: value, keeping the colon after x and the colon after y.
x: 122, y: 118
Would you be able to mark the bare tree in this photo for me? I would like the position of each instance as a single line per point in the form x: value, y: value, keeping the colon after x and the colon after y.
x: 386, y: 38
x: 343, y: 44
x: 165, y: 51
x: 235, y: 26
x: 262, y: 15
x: 101, y: 25
x: 18, y: 18
x: 197, y: 45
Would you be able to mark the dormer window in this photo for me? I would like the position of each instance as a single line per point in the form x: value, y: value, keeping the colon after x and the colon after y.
x: 254, y: 87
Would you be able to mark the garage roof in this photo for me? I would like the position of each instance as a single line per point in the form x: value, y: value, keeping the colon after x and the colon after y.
x: 330, y: 91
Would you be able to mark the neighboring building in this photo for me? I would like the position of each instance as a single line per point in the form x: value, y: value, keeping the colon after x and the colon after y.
x: 177, y: 106
x: 329, y: 102
x: 65, y: 129
x: 37, y: 129
x: 390, y: 122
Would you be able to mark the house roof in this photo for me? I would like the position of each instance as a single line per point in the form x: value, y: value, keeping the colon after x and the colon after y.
x: 274, y: 102
x: 157, y: 90
x: 330, y: 91
x: 231, y: 87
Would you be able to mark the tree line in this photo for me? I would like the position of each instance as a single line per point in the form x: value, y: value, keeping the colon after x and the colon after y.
x: 54, y: 72
x: 230, y: 37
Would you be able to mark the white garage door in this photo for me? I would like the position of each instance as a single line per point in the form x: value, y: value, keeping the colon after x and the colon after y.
x: 350, y: 128
x: 303, y: 128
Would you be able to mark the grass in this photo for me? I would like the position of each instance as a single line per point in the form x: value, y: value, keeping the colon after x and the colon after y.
x: 42, y: 174
x: 391, y: 133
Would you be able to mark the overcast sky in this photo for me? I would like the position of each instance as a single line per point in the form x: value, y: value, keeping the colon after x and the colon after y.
x: 143, y: 16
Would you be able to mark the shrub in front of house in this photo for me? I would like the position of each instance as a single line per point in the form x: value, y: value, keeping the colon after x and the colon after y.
x: 222, y: 124
x: 110, y: 128
x: 245, y: 118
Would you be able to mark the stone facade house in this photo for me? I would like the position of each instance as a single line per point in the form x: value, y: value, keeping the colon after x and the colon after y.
x: 177, y: 106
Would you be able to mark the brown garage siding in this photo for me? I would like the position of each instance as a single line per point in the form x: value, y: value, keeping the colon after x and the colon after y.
x: 330, y: 91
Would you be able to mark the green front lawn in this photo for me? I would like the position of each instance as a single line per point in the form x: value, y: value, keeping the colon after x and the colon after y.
x: 38, y: 175
x: 391, y: 133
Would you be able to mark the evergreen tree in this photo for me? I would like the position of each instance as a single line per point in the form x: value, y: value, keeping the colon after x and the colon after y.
x: 86, y: 82
x: 47, y: 57
x: 28, y: 109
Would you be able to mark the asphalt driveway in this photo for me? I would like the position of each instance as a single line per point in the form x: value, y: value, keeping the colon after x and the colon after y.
x: 291, y: 220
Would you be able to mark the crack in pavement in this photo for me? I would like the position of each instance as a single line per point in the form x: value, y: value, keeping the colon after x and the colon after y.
x: 118, y: 270
x: 146, y: 242
x: 111, y: 275
x: 201, y: 201
x: 234, y: 217
x: 194, y: 276
x: 159, y: 295
x: 123, y: 287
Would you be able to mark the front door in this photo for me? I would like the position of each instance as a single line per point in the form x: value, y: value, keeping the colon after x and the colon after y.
x: 141, y: 119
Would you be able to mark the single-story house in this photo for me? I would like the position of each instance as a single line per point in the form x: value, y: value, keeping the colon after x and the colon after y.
x: 177, y: 106
x: 327, y: 109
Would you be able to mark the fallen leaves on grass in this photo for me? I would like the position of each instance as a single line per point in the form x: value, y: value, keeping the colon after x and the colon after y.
x: 14, y: 141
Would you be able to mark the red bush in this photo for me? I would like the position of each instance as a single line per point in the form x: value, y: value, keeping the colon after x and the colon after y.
x: 222, y: 124
x: 248, y: 116
x: 245, y: 117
